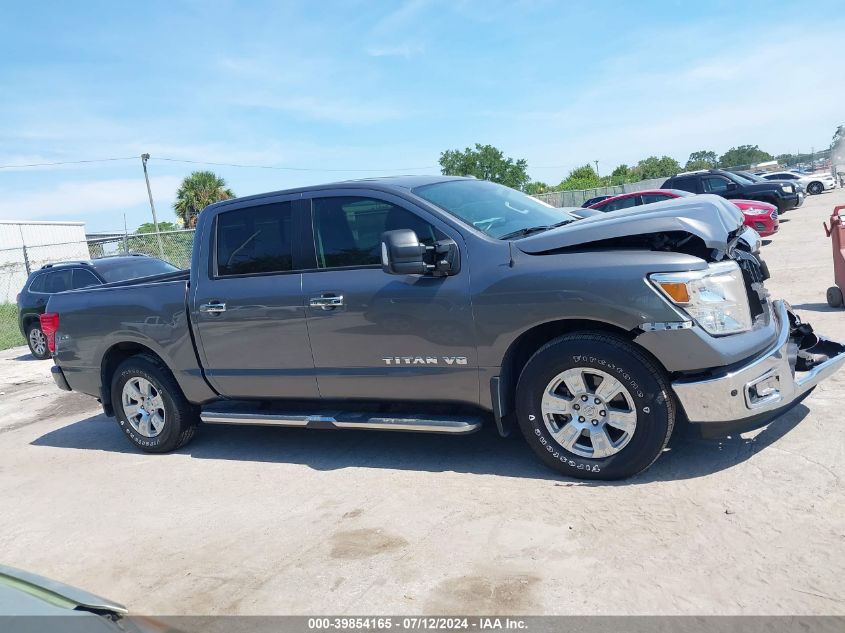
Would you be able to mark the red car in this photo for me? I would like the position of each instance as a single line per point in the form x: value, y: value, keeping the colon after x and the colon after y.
x: 760, y: 216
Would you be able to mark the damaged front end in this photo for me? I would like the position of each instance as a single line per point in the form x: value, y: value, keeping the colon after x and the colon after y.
x: 757, y: 391
x: 739, y: 364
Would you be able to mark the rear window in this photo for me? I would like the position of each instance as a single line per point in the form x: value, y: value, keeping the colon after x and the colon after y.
x: 134, y: 268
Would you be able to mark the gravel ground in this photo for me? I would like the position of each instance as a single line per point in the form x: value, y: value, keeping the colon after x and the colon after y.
x: 278, y: 521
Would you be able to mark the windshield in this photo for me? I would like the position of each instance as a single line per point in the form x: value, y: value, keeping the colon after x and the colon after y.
x: 134, y: 268
x: 744, y: 175
x: 496, y: 210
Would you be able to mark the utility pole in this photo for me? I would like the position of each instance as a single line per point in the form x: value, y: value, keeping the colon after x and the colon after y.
x: 597, y: 167
x: 144, y: 159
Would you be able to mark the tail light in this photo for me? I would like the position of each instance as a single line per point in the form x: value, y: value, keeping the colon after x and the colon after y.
x: 49, y: 325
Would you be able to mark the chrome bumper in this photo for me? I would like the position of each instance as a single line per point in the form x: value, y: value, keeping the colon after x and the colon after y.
x: 765, y: 384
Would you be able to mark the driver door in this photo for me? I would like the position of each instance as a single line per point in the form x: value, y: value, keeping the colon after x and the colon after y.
x: 384, y: 337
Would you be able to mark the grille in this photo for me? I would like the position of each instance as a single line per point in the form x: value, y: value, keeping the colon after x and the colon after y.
x: 753, y: 272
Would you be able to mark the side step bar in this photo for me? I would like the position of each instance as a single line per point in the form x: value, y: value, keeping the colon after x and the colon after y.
x: 457, y: 425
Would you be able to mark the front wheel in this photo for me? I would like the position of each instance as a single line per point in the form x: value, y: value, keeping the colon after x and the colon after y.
x: 815, y: 188
x: 37, y: 341
x: 150, y: 407
x: 834, y: 297
x: 594, y: 406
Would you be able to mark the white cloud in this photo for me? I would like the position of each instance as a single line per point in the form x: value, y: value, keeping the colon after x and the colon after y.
x: 93, y: 196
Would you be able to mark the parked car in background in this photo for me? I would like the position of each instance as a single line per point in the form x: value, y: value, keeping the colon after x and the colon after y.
x: 730, y: 185
x: 760, y: 216
x: 754, y: 178
x: 592, y: 201
x: 61, y: 276
x: 813, y: 183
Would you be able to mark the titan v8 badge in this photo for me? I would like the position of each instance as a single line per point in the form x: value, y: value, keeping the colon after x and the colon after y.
x: 425, y: 360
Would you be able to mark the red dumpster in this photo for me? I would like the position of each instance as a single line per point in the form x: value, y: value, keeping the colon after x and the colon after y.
x: 836, y: 231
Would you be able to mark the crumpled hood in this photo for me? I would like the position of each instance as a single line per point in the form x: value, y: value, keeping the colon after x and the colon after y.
x: 709, y: 217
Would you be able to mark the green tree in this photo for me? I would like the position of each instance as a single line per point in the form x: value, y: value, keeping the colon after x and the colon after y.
x: 535, y: 186
x: 149, y: 227
x: 744, y: 155
x: 196, y: 192
x: 487, y: 163
x: 584, y: 177
x: 620, y: 175
x: 656, y: 167
x: 702, y: 159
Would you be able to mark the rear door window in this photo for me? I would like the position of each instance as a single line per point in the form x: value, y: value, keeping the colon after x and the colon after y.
x: 83, y: 278
x: 254, y: 240
x: 685, y: 184
x: 58, y: 281
x: 649, y: 198
x: 622, y: 203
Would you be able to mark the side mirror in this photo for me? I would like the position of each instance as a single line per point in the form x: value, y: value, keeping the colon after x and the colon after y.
x: 402, y: 253
x: 732, y: 186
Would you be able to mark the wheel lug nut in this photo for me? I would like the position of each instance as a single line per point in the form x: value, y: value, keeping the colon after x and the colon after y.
x: 602, y: 413
x: 595, y: 422
x: 581, y: 418
x: 597, y: 401
x: 577, y: 407
x: 584, y: 398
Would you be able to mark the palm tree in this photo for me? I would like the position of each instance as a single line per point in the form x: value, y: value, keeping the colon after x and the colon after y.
x: 196, y: 192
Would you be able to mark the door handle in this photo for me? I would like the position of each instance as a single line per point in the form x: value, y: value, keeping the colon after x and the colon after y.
x: 213, y: 308
x: 326, y: 302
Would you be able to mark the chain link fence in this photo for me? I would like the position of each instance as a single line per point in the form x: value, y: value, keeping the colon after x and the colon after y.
x: 17, y: 263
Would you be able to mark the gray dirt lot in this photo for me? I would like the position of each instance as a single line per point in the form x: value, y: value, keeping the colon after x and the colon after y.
x: 274, y: 521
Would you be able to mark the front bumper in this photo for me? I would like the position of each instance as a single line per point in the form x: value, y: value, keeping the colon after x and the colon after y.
x: 766, y: 384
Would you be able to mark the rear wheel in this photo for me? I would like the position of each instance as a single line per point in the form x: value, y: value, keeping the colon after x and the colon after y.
x: 150, y: 407
x: 37, y: 341
x: 594, y: 406
x: 815, y: 188
x: 834, y: 297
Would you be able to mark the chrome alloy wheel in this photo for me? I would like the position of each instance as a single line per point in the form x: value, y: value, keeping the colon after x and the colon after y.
x: 37, y: 341
x: 143, y: 406
x: 588, y: 412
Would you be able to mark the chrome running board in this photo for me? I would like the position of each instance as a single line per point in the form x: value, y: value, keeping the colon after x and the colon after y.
x: 458, y: 425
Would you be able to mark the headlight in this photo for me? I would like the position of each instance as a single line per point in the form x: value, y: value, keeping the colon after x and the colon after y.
x: 715, y: 297
x: 787, y: 188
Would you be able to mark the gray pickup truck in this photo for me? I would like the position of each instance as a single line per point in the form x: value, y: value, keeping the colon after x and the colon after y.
x: 431, y: 303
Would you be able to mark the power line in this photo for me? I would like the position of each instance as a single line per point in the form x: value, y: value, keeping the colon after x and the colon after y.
x: 283, y: 168
x: 206, y: 162
x: 71, y: 162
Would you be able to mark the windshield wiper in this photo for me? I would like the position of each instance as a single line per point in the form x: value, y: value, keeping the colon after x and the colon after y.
x: 533, y: 229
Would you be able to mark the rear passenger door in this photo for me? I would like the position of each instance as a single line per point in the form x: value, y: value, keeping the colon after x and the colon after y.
x: 381, y: 336
x: 247, y: 307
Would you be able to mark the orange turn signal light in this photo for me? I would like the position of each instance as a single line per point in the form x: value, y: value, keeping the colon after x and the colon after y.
x: 677, y: 291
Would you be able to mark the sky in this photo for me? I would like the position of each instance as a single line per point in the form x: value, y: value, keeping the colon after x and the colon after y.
x: 326, y: 91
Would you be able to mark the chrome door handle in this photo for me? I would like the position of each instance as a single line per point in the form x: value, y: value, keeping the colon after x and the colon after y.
x: 327, y: 302
x: 213, y: 308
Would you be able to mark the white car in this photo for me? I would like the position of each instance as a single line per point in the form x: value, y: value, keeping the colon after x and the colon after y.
x: 813, y: 183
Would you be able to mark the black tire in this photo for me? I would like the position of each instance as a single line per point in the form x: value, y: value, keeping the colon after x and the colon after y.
x: 37, y: 347
x: 647, y: 387
x: 815, y: 188
x: 180, y: 416
x: 834, y: 297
